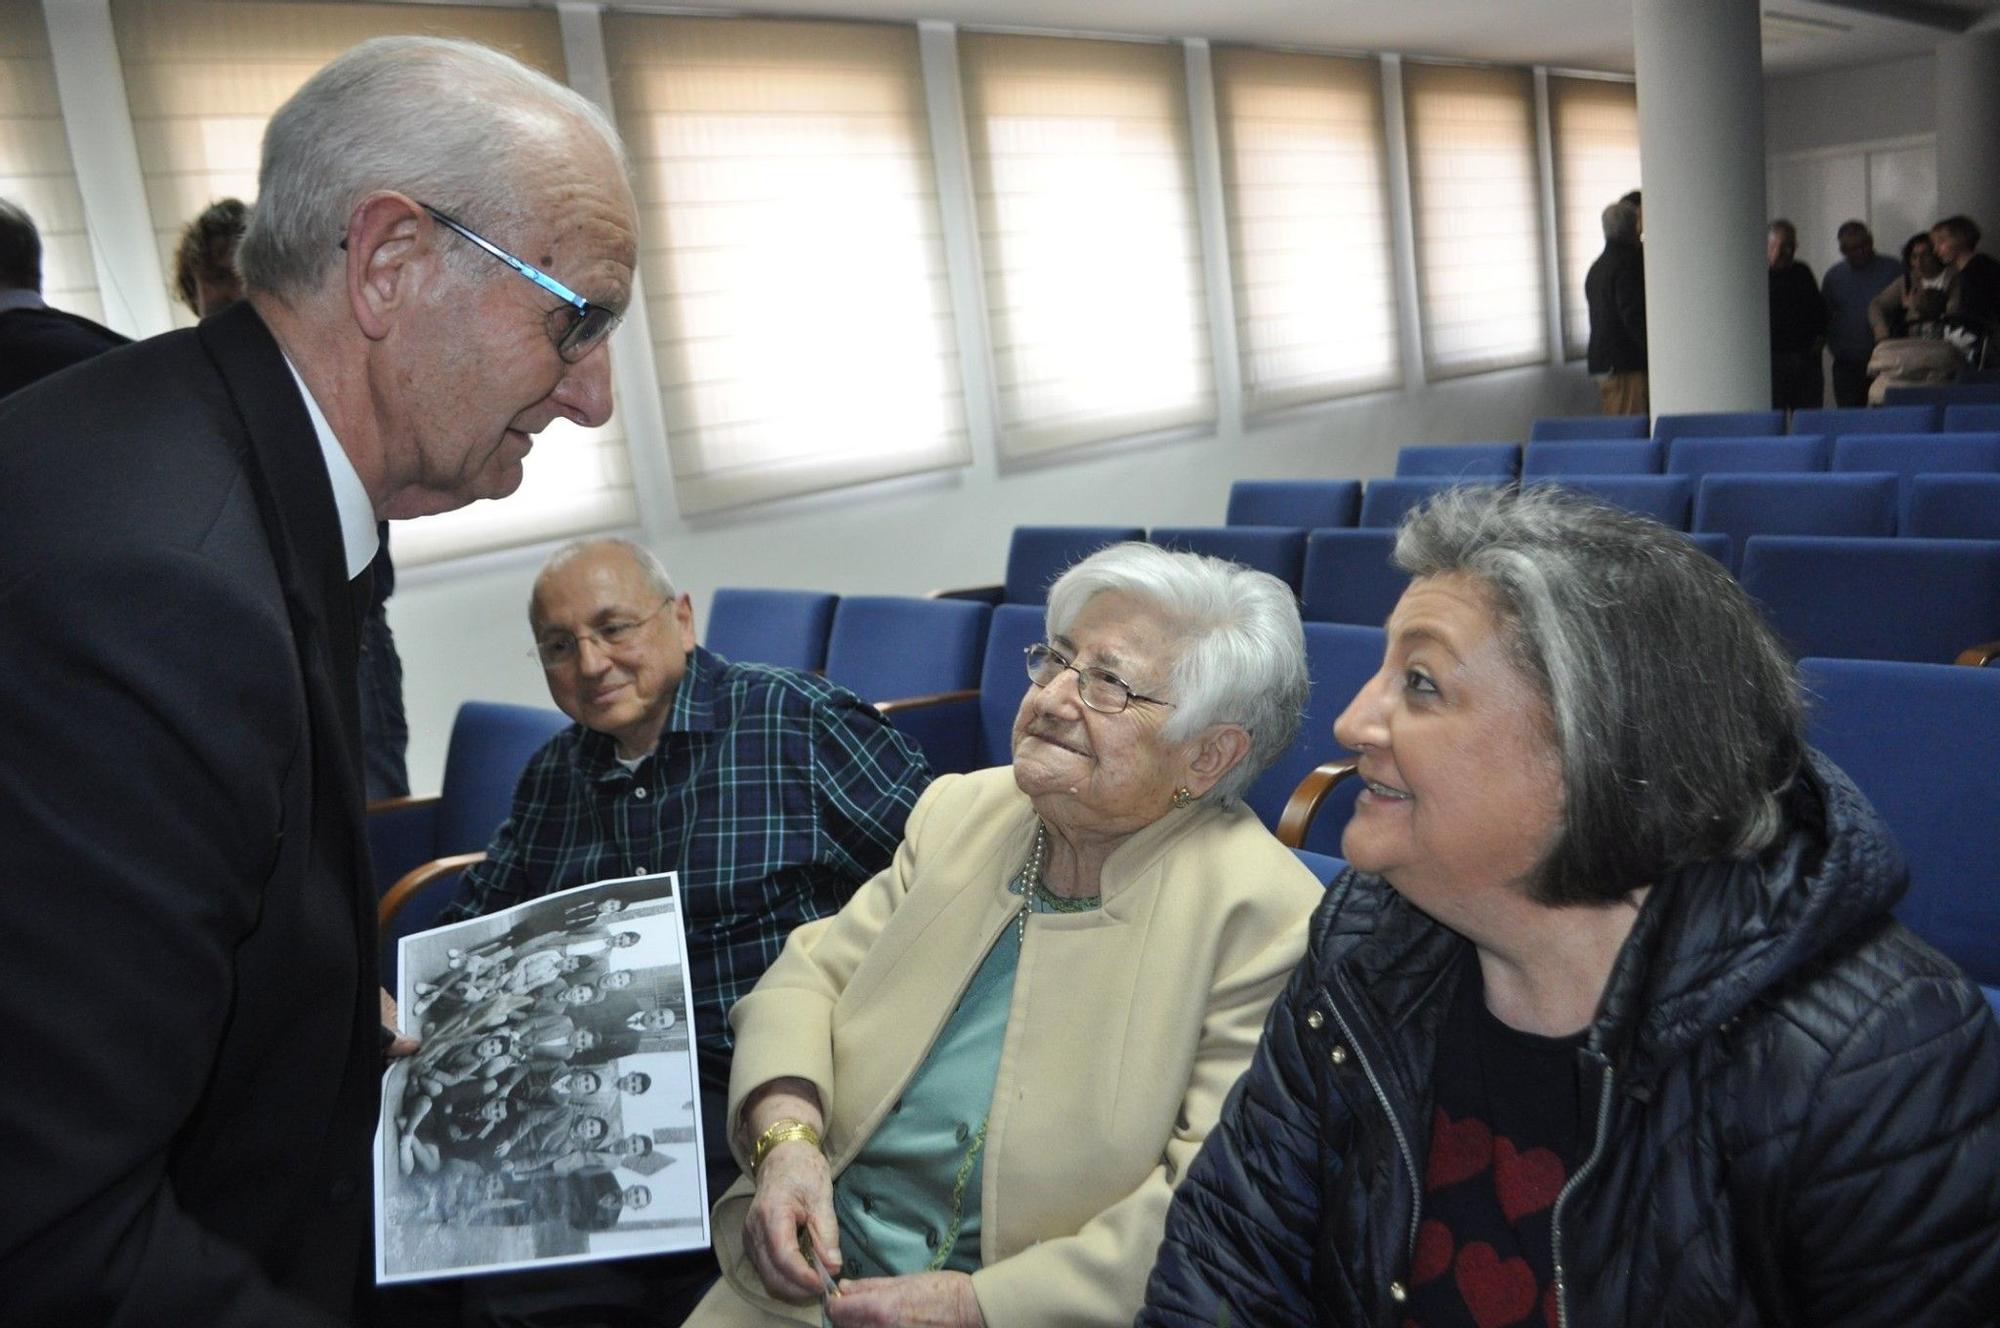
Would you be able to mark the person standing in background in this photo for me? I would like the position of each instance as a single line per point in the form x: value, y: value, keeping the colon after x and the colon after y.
x: 36, y: 340
x: 1615, y: 290
x: 1798, y: 323
x: 1848, y: 288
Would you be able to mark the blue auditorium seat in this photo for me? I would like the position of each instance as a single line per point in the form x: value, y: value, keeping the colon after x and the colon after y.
x: 972, y: 729
x: 1971, y: 418
x: 1773, y: 454
x: 1557, y: 427
x: 1908, y: 454
x: 1349, y: 578
x: 1667, y: 499
x: 1719, y: 424
x: 1919, y: 741
x: 1740, y: 506
x: 1467, y: 461
x: 1326, y: 867
x: 785, y: 627
x: 1386, y: 501
x: 1302, y: 504
x: 890, y: 650
x: 1279, y: 550
x: 1340, y: 658
x: 1040, y: 554
x: 1594, y: 456
x: 1924, y: 600
x: 1952, y: 507
x: 1714, y: 545
x: 1835, y: 420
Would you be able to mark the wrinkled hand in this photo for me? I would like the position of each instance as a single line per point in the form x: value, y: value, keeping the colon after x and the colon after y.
x: 399, y: 1045
x: 921, y: 1300
x: 794, y: 1191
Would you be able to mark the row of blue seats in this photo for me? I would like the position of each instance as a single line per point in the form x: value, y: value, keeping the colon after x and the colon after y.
x: 1926, y: 418
x: 1907, y: 453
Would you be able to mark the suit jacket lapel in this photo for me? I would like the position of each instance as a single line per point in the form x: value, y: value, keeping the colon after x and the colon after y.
x: 295, y: 500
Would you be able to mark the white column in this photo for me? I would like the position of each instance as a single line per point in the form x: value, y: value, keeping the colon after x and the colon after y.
x: 1402, y: 225
x: 1968, y: 131
x: 90, y: 84
x: 1701, y: 144
x: 1204, y: 137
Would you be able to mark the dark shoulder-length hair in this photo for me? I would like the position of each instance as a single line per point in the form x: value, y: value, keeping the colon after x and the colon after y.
x: 1674, y: 710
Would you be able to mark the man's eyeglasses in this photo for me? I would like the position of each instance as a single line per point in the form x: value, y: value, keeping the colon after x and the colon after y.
x: 559, y: 649
x: 1101, y: 689
x: 577, y: 327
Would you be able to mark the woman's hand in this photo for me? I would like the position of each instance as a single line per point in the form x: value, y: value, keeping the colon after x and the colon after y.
x: 794, y: 1195
x: 921, y: 1300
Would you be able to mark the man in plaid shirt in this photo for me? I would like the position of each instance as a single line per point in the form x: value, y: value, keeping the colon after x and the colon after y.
x: 774, y: 793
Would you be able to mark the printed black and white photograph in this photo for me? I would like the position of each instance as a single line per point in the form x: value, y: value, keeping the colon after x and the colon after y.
x: 550, y: 1113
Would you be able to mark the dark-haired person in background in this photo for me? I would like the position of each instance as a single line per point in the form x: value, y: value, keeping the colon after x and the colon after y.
x: 1611, y: 1022
x: 36, y: 340
x: 205, y: 274
x: 1847, y: 288
x: 1798, y: 324
x: 1975, y: 296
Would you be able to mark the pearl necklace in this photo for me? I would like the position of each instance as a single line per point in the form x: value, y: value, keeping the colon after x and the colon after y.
x: 1037, y: 897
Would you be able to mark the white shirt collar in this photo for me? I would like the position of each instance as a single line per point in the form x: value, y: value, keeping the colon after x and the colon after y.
x: 350, y: 499
x: 17, y: 297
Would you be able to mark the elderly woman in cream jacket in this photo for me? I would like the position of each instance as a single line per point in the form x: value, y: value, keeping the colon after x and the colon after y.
x: 966, y: 1098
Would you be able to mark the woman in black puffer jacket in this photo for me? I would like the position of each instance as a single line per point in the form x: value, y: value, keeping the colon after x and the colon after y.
x: 1611, y: 1025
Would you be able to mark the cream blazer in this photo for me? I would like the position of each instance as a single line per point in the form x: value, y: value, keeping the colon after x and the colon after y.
x: 1128, y: 1026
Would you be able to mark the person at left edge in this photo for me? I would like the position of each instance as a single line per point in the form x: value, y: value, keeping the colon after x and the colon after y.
x: 180, y: 793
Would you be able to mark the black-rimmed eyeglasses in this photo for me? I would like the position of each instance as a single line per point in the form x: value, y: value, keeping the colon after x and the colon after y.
x: 577, y: 326
x: 1100, y: 689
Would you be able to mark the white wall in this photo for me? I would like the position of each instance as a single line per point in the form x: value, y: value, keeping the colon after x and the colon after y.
x: 463, y: 633
x: 1871, y: 103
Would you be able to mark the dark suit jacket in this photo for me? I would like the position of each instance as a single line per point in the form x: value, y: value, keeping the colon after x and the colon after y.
x: 34, y: 343
x: 1615, y: 290
x: 189, y: 986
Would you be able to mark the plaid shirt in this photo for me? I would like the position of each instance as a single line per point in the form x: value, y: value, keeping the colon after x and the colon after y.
x: 773, y: 793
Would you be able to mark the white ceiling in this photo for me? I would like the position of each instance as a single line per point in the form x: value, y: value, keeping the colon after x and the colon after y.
x: 1800, y: 35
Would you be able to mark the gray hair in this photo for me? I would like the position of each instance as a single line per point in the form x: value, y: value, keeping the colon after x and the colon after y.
x: 1244, y: 657
x: 650, y: 567
x: 1621, y: 222
x: 451, y: 123
x: 1675, y: 712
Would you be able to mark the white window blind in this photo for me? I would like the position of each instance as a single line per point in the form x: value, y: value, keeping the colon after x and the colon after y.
x: 1595, y: 127
x: 793, y: 253
x: 35, y: 168
x: 203, y: 77
x: 1475, y: 187
x: 1306, y: 188
x: 1081, y: 161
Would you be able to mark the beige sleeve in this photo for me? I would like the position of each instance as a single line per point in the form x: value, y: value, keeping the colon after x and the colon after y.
x: 1098, y: 1275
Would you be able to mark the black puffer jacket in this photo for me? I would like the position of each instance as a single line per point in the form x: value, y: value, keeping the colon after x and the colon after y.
x: 1797, y: 1113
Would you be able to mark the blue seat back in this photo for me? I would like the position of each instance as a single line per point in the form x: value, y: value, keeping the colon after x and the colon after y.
x: 1340, y: 658
x: 1349, y: 578
x: 1908, y: 454
x: 1040, y: 554
x: 1774, y: 454
x: 1867, y: 419
x: 1279, y: 550
x: 1952, y: 507
x: 1740, y: 506
x: 1556, y: 427
x: 1970, y: 418
x: 1467, y: 461
x: 490, y: 745
x: 1326, y: 867
x: 1719, y: 424
x: 1919, y: 741
x: 785, y: 627
x: 1003, y: 677
x: 1301, y: 504
x: 1593, y: 456
x: 1385, y: 501
x: 1923, y: 600
x: 888, y: 647
x: 1714, y: 545
x: 1667, y: 499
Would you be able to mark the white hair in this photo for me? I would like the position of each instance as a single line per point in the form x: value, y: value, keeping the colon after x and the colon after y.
x: 1243, y: 660
x: 451, y: 123
x: 650, y: 567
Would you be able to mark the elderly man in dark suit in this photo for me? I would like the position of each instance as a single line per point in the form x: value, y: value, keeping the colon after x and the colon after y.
x: 188, y: 920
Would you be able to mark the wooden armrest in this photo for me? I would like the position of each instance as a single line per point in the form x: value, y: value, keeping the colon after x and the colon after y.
x: 1305, y: 801
x: 992, y: 594
x: 1981, y: 655
x: 903, y: 703
x: 403, y: 803
x: 415, y: 879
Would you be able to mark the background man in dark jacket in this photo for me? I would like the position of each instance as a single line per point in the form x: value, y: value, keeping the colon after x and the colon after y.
x: 36, y: 340
x: 1615, y: 288
x: 1798, y: 324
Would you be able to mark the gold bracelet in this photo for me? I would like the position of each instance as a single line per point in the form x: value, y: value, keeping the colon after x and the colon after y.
x: 781, y: 1132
